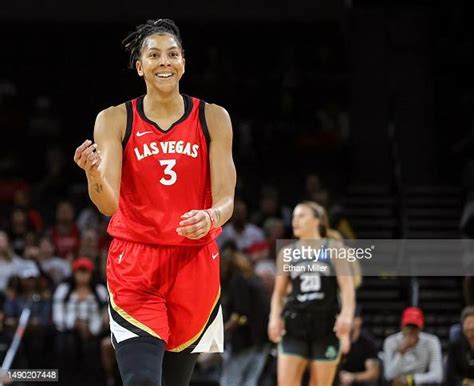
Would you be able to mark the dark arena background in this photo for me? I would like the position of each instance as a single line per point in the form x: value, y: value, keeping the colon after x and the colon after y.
x: 363, y: 106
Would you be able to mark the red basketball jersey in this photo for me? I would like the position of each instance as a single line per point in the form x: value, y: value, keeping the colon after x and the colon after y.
x: 164, y: 175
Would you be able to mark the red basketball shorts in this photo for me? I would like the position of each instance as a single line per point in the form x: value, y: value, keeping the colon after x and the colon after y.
x: 167, y: 292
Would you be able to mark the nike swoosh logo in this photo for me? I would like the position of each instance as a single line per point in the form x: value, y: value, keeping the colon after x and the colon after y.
x: 120, y: 258
x: 139, y: 134
x: 214, y: 255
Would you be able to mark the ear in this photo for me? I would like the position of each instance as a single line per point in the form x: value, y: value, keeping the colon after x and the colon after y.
x: 184, y: 65
x: 139, y: 67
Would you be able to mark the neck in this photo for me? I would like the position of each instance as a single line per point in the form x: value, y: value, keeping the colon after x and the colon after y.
x: 314, y: 235
x: 162, y: 102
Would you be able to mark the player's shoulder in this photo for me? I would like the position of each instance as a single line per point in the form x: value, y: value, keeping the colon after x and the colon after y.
x: 113, y: 113
x: 212, y: 110
x: 215, y: 111
x: 218, y: 121
x: 113, y: 119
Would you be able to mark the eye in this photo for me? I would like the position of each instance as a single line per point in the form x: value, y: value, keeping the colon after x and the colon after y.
x: 152, y: 55
x: 174, y: 54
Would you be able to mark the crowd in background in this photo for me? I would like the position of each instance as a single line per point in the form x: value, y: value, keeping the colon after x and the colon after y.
x: 56, y: 266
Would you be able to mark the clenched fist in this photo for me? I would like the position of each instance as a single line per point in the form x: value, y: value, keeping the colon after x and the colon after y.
x: 88, y: 158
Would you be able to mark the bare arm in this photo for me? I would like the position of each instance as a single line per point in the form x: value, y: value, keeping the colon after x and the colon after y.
x: 346, y: 286
x: 223, y: 177
x: 278, y: 295
x: 103, y: 167
x: 344, y: 320
x: 223, y: 174
x: 276, y: 324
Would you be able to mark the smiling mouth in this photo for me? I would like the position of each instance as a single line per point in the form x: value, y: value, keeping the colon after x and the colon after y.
x: 165, y: 75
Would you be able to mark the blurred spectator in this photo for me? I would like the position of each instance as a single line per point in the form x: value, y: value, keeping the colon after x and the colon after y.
x: 361, y: 365
x: 266, y: 271
x: 274, y: 229
x: 78, y: 314
x: 89, y: 246
x: 104, y: 243
x: 22, y: 200
x: 270, y: 207
x: 43, y: 122
x: 413, y: 355
x: 468, y: 287
x: 341, y: 223
x: 65, y: 233
x: 45, y: 282
x: 26, y: 292
x: 55, y: 267
x: 257, y: 252
x: 8, y: 261
x: 246, y: 311
x: 88, y: 218
x: 314, y: 190
x: 5, y: 341
x: 18, y: 230
x: 55, y: 183
x: 240, y: 230
x: 460, y: 367
x: 334, y: 126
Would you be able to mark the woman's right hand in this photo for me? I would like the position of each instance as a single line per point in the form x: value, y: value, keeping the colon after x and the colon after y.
x: 88, y: 158
x: 276, y: 329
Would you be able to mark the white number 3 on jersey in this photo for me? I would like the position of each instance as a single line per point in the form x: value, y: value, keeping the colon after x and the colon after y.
x: 169, y: 172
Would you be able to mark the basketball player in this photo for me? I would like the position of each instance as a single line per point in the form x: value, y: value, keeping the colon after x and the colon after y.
x: 310, y: 328
x: 162, y: 167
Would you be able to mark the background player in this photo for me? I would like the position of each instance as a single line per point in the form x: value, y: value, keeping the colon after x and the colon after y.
x: 309, y: 327
x: 162, y: 165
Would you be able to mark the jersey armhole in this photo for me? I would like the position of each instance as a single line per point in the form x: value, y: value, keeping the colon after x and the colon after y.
x: 202, y: 120
x: 128, y: 129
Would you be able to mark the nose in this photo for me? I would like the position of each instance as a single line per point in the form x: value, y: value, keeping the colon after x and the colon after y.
x: 164, y: 60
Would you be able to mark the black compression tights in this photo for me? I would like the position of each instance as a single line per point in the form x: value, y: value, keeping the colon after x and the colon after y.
x: 143, y: 361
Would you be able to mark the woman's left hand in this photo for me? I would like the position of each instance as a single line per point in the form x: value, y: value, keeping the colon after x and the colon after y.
x: 195, y: 224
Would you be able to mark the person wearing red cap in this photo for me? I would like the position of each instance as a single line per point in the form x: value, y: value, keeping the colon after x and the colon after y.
x: 78, y: 315
x: 83, y: 263
x: 413, y: 357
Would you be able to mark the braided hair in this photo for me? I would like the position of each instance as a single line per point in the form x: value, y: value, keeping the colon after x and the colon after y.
x: 133, y: 43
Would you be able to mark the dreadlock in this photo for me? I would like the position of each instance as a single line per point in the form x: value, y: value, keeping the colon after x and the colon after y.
x: 133, y: 43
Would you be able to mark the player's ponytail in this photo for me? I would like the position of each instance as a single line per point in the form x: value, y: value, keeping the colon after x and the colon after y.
x: 133, y: 43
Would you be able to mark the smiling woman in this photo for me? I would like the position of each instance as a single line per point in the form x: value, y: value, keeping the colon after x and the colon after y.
x: 162, y: 166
